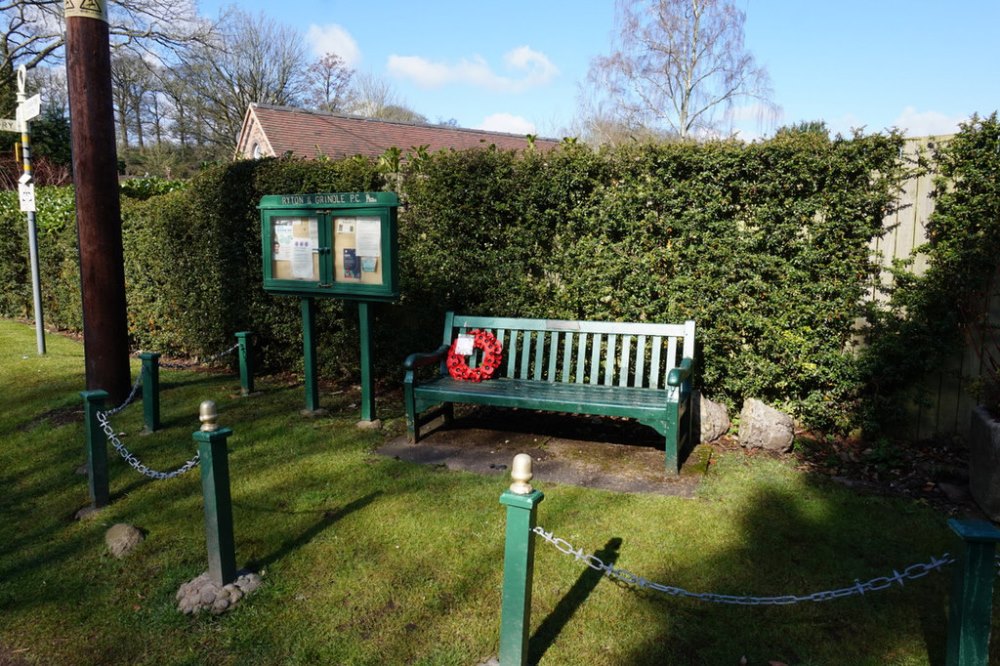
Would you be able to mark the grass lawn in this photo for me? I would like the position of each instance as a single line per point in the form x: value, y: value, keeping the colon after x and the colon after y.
x: 369, y: 560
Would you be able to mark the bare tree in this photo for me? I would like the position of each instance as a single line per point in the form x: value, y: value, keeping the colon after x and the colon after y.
x: 33, y: 31
x: 679, y: 65
x: 131, y: 80
x: 255, y: 60
x: 330, y: 83
x: 376, y: 98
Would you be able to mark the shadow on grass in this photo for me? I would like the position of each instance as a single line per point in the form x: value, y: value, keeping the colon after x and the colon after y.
x: 549, y: 629
x: 799, y: 543
x: 328, y: 519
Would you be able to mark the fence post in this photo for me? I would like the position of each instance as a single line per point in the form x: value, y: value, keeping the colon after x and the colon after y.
x: 151, y: 390
x: 972, y: 594
x: 245, y: 340
x: 97, y: 449
x: 518, y: 563
x: 214, y: 461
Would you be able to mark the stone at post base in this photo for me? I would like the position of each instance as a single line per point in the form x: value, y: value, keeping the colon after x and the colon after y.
x: 204, y: 594
x: 375, y: 424
x: 765, y: 427
x: 122, y: 539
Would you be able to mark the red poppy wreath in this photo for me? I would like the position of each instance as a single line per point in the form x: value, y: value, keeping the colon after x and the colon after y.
x: 458, y: 366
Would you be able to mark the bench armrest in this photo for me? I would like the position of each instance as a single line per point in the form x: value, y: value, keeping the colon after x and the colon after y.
x: 681, y: 373
x: 419, y: 360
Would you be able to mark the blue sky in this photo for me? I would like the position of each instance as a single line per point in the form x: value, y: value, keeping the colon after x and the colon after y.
x: 919, y: 65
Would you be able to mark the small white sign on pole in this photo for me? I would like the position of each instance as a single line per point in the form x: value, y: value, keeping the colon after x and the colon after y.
x: 8, y: 125
x: 26, y: 193
x: 29, y: 108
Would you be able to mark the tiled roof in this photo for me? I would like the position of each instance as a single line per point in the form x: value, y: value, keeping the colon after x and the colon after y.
x: 313, y: 134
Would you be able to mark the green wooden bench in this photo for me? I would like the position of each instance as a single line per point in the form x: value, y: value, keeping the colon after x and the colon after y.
x: 636, y: 370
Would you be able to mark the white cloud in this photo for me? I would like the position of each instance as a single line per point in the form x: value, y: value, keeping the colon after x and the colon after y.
x: 533, y: 69
x: 507, y: 122
x: 926, y: 123
x: 332, y: 38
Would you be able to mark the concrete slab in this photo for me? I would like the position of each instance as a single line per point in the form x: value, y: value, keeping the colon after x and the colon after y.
x: 593, y: 452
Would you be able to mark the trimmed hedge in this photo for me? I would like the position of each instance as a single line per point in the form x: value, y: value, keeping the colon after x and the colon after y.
x: 765, y: 245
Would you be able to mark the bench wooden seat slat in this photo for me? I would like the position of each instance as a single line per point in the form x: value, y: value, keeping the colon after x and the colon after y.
x: 637, y: 370
x: 529, y: 394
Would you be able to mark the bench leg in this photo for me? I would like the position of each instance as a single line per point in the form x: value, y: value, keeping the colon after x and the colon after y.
x: 448, y: 411
x: 412, y: 424
x: 667, y: 428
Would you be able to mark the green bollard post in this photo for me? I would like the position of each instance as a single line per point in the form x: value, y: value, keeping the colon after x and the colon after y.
x: 97, y: 449
x: 245, y: 340
x: 218, y: 502
x: 151, y: 390
x: 521, y: 501
x: 972, y: 594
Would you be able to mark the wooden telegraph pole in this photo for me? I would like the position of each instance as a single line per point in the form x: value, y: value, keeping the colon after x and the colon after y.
x: 98, y: 209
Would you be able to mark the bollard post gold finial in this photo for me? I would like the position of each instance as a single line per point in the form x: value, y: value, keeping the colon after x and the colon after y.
x: 520, y: 473
x: 208, y: 415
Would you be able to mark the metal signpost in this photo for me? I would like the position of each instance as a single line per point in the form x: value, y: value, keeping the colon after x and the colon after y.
x: 28, y: 108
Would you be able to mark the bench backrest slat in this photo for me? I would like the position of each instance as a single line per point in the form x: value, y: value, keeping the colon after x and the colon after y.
x: 595, y: 358
x: 640, y: 362
x: 525, y: 354
x: 539, y: 351
x: 654, y: 363
x: 567, y: 355
x: 620, y: 354
x: 609, y: 360
x: 581, y: 356
x: 623, y: 374
x: 671, y: 358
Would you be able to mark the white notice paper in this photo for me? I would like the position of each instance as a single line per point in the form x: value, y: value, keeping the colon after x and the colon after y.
x: 369, y: 237
x: 464, y: 345
x: 302, y: 259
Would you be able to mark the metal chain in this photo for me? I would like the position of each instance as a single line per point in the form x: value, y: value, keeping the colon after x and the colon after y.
x: 129, y: 399
x: 109, y: 432
x: 210, y: 359
x: 911, y: 572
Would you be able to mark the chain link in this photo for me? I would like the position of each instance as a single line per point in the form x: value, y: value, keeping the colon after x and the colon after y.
x: 912, y: 572
x: 205, y: 361
x: 109, y: 432
x: 129, y: 399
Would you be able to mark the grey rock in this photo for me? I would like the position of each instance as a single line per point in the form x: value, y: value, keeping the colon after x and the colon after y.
x: 122, y: 539
x: 764, y: 427
x: 711, y: 417
x: 375, y: 424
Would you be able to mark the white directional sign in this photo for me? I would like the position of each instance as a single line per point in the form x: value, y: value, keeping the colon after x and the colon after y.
x: 8, y: 125
x: 29, y: 108
x: 26, y: 193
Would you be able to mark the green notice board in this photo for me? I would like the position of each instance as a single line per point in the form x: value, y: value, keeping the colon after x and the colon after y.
x: 334, y: 244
